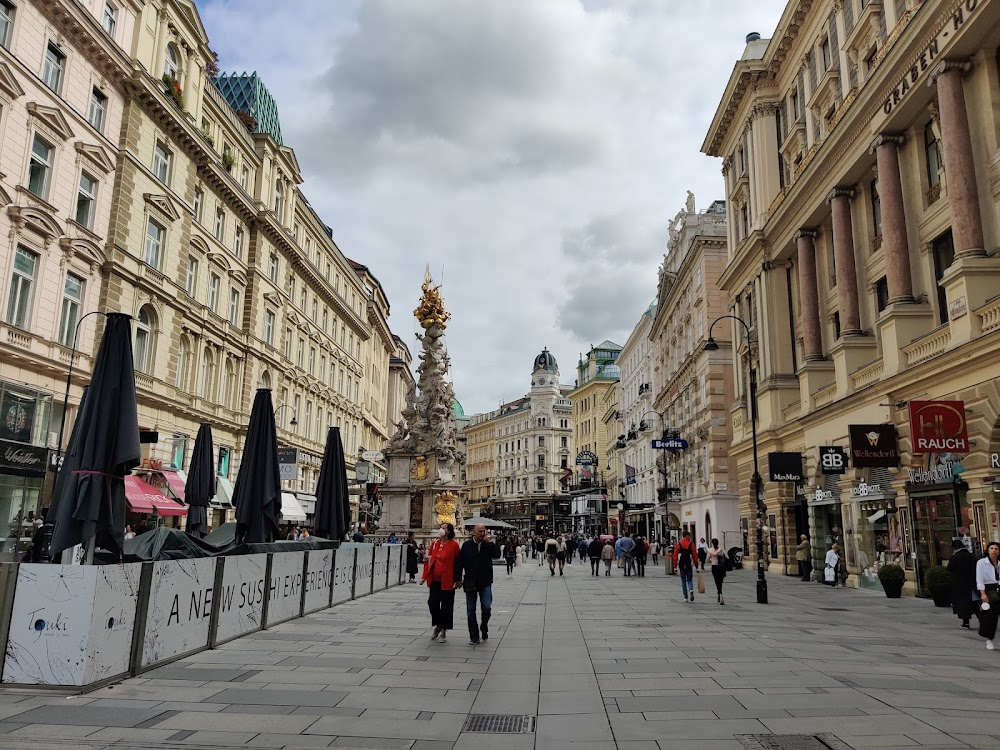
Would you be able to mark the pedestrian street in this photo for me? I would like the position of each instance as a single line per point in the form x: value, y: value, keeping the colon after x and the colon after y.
x: 581, y: 662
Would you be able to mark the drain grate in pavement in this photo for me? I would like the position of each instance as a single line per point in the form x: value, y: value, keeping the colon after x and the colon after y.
x: 791, y: 742
x: 499, y: 724
x: 532, y: 604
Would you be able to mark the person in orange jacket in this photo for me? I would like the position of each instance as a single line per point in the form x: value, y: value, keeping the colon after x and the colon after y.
x: 685, y: 561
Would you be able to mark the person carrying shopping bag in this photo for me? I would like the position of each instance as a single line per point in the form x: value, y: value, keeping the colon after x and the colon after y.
x: 717, y: 561
x: 988, y: 585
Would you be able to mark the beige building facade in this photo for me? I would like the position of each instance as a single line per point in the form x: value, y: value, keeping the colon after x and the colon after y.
x: 64, y: 78
x: 860, y: 153
x: 596, y: 373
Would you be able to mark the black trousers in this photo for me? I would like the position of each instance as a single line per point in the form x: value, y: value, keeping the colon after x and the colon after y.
x: 988, y: 619
x: 595, y: 566
x: 805, y: 569
x: 640, y: 566
x: 719, y: 575
x: 442, y: 606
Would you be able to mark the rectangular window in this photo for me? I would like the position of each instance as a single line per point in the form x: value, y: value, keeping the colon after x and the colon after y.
x: 303, y: 296
x: 98, y: 109
x: 110, y: 19
x: 564, y: 442
x: 55, y: 65
x: 86, y: 197
x: 245, y: 178
x: 161, y: 163
x: 21, y: 288
x: 564, y: 462
x: 191, y: 276
x: 199, y: 200
x: 234, y: 306
x: 238, y: 243
x: 300, y: 355
x: 220, y: 223
x: 932, y: 154
x: 540, y: 484
x: 541, y: 442
x: 288, y: 343
x: 943, y: 249
x: 881, y: 294
x: 39, y: 167
x: 154, y: 244
x: 268, y: 327
x: 72, y: 301
x: 291, y: 287
x: 213, y: 291
x: 222, y: 468
x: 272, y: 267
x: 824, y: 48
x: 876, y: 210
x: 322, y: 368
x: 6, y: 22
x: 836, y: 325
x: 312, y: 359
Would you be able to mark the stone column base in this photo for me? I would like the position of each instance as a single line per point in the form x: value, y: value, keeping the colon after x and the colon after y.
x: 850, y: 353
x: 814, y: 376
x: 898, y: 325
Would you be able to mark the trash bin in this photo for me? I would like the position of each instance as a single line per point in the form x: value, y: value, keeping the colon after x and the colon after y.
x: 670, y: 563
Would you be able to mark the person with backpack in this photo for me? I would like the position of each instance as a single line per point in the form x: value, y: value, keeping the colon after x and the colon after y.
x: 719, y: 563
x: 686, y: 560
x: 551, y: 551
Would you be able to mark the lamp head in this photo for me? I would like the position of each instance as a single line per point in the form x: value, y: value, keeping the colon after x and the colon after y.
x: 711, y: 346
x: 294, y: 421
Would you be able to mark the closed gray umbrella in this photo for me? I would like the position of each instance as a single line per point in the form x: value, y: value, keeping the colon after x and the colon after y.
x: 88, y: 500
x: 257, y: 494
x: 200, y: 486
x: 333, y: 509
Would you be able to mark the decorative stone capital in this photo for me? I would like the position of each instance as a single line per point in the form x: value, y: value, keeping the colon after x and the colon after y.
x: 840, y: 192
x: 896, y: 139
x: 947, y: 65
x: 805, y: 233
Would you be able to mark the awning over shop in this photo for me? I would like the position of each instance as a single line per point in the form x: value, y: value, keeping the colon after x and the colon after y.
x: 175, y: 480
x: 308, y: 503
x: 144, y: 498
x: 290, y: 508
x: 223, y: 493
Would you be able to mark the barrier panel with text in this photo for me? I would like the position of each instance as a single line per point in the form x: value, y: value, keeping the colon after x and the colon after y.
x: 241, y: 600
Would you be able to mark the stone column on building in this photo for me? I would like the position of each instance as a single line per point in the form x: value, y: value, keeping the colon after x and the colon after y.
x: 805, y: 241
x: 160, y: 48
x: 194, y: 87
x: 894, y: 243
x: 843, y: 251
x: 959, y: 164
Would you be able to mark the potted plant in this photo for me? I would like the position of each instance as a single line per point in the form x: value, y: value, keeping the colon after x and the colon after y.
x: 228, y: 160
x: 892, y: 577
x: 173, y: 88
x: 939, y: 584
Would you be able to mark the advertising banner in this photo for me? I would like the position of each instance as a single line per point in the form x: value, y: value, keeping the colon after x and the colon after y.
x: 241, y: 600
x: 180, y: 605
x: 381, y: 566
x: 363, y: 570
x: 71, y: 624
x: 938, y: 427
x: 285, y: 588
x: 319, y: 579
x: 785, y: 467
x: 395, y: 563
x: 343, y: 574
x: 873, y: 445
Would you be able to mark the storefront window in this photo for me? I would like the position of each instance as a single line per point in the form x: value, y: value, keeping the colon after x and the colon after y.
x: 18, y: 508
x: 178, y: 450
x: 24, y: 414
x: 223, y: 466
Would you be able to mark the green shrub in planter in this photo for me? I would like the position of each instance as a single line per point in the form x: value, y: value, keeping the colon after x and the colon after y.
x: 938, y: 582
x: 892, y: 578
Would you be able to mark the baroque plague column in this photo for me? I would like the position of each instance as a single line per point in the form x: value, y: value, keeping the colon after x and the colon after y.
x: 424, y: 471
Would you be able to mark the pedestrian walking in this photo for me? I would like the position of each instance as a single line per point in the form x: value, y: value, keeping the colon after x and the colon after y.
x: 474, y: 573
x: 803, y: 556
x: 561, y: 554
x: 702, y: 552
x: 628, y: 551
x: 686, y: 560
x: 551, y: 553
x: 594, y: 552
x: 440, y: 576
x: 832, y: 563
x: 582, y: 547
x: 716, y: 560
x: 962, y: 573
x: 618, y: 550
x: 639, y: 555
x: 569, y: 549
x: 509, y: 555
x: 540, y: 550
x: 988, y: 584
x: 608, y: 555
x: 654, y: 551
x: 411, y: 557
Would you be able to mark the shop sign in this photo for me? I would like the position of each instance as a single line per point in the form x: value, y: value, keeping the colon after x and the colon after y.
x: 721, y: 486
x: 873, y: 445
x: 820, y: 497
x: 22, y: 459
x: 670, y: 444
x: 995, y: 460
x: 941, y: 474
x: 863, y: 489
x: 832, y: 459
x: 586, y: 458
x: 17, y: 416
x: 939, y: 427
x: 785, y: 467
x: 288, y: 463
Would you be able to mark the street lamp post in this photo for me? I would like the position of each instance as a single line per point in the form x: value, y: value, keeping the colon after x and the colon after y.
x: 294, y: 421
x: 755, y: 482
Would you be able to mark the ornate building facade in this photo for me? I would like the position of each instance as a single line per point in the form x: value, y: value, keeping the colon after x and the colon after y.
x: 64, y: 81
x: 860, y: 153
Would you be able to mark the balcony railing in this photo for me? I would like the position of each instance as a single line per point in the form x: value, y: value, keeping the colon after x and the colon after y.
x: 990, y: 313
x: 929, y: 345
x: 870, y: 373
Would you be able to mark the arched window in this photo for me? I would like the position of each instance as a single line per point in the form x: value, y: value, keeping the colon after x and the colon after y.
x: 229, y: 386
x: 265, y: 379
x: 279, y: 198
x: 145, y: 340
x: 172, y: 63
x: 183, y: 364
x: 206, y: 382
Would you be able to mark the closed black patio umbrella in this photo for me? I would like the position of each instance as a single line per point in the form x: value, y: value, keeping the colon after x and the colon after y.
x: 257, y: 494
x: 88, y: 500
x: 200, y: 486
x: 333, y: 509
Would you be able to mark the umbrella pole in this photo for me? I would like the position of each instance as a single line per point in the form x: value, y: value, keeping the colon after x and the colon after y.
x: 90, y: 550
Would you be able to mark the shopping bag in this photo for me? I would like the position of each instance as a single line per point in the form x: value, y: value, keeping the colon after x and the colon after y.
x: 830, y: 574
x: 701, y: 584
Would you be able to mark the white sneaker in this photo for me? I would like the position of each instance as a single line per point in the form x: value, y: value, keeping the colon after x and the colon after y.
x: 441, y: 638
x: 989, y: 645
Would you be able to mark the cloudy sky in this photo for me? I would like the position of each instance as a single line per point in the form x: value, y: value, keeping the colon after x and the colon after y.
x: 531, y: 151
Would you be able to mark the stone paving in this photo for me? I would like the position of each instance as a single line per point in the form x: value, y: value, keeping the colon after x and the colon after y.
x: 598, y: 663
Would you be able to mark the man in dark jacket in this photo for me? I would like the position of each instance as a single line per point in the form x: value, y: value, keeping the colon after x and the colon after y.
x: 594, y: 553
x: 474, y: 572
x: 962, y: 571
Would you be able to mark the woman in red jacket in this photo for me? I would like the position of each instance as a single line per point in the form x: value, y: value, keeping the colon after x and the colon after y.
x: 439, y: 575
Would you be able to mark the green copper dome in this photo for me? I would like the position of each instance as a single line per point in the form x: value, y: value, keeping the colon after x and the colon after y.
x: 457, y: 410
